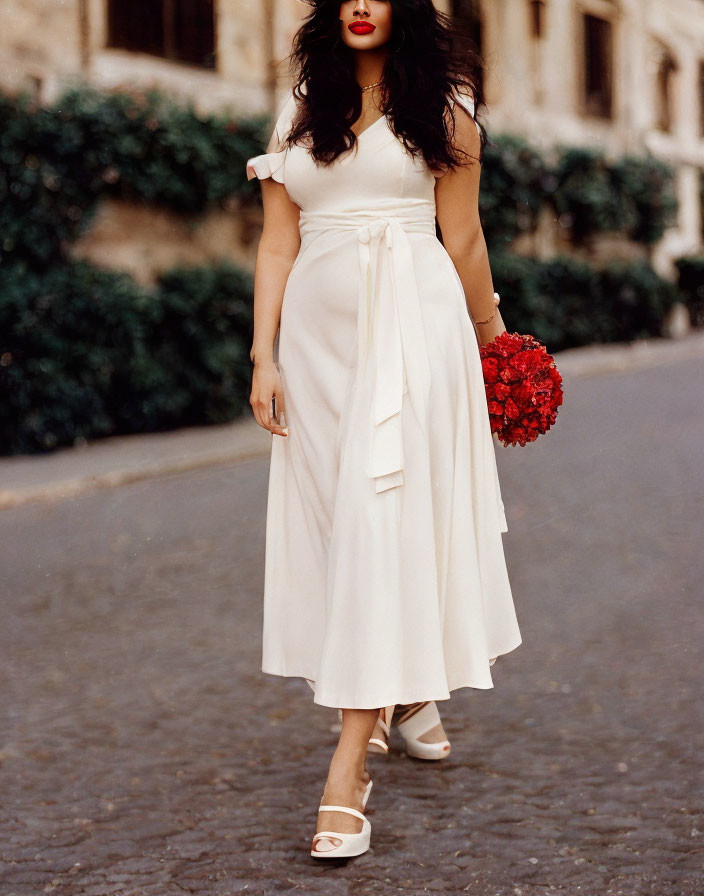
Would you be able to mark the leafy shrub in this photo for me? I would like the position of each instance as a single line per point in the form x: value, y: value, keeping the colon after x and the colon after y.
x: 647, y: 191
x: 86, y: 352
x: 565, y: 302
x: 525, y: 307
x: 634, y: 301
x: 584, y: 195
x: 55, y: 163
x: 70, y: 340
x: 146, y: 146
x: 514, y: 179
x: 47, y: 193
x: 202, y: 336
x: 634, y: 195
x: 554, y: 300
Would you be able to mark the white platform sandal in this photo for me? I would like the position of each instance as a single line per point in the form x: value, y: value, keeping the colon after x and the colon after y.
x: 351, y: 844
x: 419, y: 719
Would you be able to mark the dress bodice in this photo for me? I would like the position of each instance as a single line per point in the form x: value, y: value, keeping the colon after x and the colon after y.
x: 376, y: 171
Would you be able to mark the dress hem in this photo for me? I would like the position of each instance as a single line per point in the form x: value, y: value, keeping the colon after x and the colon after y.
x: 386, y: 699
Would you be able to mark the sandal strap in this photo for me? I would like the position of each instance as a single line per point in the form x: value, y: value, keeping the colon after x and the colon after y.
x: 341, y: 809
x: 421, y: 721
x: 385, y: 719
x: 379, y: 741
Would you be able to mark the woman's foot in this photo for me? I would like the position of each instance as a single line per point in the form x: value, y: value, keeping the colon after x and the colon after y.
x: 341, y: 789
x: 436, y: 734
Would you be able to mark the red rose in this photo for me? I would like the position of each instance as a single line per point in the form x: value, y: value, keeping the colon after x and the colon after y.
x: 510, y: 409
x: 509, y: 374
x: 490, y: 368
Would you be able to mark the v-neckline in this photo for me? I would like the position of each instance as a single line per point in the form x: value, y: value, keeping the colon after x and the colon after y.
x: 369, y: 127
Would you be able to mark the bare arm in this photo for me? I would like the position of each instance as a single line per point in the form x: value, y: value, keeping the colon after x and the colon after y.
x: 278, y: 248
x: 457, y: 202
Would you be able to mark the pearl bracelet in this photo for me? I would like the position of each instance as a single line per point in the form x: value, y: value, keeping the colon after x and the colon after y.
x: 489, y: 319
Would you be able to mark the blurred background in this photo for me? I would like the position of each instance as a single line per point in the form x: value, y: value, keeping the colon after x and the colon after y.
x: 124, y: 130
x: 142, y: 751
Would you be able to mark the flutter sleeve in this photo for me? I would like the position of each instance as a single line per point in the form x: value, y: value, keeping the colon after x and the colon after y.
x: 466, y: 100
x: 271, y: 164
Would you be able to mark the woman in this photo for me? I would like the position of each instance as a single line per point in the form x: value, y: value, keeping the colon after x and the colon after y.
x: 385, y: 579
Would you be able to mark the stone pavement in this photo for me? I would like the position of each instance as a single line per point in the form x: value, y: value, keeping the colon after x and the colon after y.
x: 143, y: 752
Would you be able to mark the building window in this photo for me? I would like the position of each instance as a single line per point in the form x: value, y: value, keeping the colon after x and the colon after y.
x: 537, y: 17
x: 598, y: 66
x: 180, y: 30
x: 667, y: 66
x: 468, y: 24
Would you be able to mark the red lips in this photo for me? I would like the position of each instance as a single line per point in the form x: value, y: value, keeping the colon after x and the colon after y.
x: 362, y: 27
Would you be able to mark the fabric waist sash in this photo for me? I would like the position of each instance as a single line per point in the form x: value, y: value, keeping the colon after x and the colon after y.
x: 392, y: 357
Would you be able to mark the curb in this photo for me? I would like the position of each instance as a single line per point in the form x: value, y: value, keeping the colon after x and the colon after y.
x: 617, y: 357
x: 118, y: 460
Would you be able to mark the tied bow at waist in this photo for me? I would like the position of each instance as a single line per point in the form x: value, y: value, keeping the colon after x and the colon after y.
x: 392, y: 357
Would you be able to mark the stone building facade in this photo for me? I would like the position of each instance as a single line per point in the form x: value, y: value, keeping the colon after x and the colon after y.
x: 622, y: 75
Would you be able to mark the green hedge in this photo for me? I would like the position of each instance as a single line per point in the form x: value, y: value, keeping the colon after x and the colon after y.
x: 646, y: 186
x: 565, y: 302
x: 514, y: 182
x: 57, y: 162
x: 87, y: 353
x: 633, y: 195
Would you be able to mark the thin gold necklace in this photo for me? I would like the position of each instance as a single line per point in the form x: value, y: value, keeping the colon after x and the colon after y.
x: 369, y: 86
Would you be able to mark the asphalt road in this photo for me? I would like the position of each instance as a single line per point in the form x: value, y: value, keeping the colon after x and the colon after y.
x: 142, y: 751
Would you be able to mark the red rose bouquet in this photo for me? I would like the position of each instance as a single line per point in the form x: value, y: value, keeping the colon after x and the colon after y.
x: 523, y: 387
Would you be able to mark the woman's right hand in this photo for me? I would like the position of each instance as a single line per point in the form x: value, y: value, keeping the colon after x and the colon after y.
x: 266, y: 384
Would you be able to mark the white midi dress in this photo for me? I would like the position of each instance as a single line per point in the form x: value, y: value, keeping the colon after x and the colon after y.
x: 384, y: 578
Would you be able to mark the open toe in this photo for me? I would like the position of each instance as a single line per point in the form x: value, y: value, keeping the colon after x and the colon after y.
x: 416, y: 720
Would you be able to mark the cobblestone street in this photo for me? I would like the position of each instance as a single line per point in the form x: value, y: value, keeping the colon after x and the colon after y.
x: 144, y: 753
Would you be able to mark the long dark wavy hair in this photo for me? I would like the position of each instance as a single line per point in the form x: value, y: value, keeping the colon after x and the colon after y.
x: 428, y: 60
